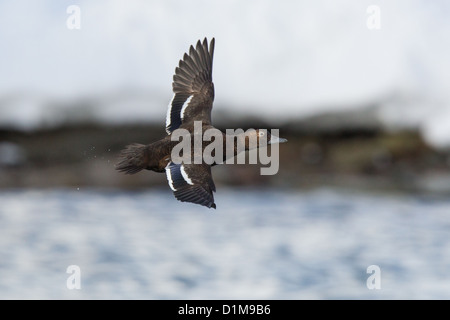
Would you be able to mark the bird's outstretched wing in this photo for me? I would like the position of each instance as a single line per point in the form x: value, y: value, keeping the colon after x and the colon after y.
x: 193, y: 88
x: 192, y: 183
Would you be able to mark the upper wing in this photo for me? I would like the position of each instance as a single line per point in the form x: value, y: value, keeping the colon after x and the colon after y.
x: 192, y: 183
x: 193, y: 87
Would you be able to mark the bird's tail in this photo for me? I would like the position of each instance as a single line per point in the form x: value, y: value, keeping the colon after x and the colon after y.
x: 132, y: 159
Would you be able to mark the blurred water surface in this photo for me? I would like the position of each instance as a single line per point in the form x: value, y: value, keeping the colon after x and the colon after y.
x: 257, y: 245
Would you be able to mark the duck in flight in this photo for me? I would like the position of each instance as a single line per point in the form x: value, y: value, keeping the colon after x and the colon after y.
x: 192, y: 102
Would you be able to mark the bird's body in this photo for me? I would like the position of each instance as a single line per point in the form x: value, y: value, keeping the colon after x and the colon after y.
x: 191, y: 181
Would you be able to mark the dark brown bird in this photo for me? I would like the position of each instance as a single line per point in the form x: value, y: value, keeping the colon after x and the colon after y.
x: 192, y: 101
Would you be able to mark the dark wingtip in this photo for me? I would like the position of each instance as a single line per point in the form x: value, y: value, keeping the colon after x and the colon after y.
x: 211, y: 46
x: 213, y: 206
x: 199, y: 44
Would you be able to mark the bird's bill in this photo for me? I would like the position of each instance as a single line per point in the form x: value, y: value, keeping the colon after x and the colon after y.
x: 275, y: 139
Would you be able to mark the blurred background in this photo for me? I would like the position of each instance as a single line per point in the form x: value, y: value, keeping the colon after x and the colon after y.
x: 359, y: 89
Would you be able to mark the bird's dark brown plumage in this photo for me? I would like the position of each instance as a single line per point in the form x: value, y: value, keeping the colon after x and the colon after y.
x: 192, y: 80
x: 192, y: 101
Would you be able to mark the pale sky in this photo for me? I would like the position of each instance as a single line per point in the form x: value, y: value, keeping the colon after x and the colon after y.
x: 274, y: 58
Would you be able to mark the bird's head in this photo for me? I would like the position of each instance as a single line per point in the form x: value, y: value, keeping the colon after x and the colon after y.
x: 261, y: 138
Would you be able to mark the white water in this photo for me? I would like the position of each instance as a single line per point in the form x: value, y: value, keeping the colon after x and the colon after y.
x: 256, y: 245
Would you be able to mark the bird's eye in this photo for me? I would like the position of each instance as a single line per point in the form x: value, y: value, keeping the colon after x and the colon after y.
x: 261, y: 133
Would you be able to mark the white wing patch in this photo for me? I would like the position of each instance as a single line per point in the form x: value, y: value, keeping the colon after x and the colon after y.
x: 177, y: 176
x: 185, y: 176
x: 169, y: 111
x: 174, y: 118
x: 185, y: 105
x: 169, y: 178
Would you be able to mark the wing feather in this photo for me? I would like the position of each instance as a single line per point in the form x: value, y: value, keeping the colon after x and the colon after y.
x: 193, y: 77
x: 191, y: 183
